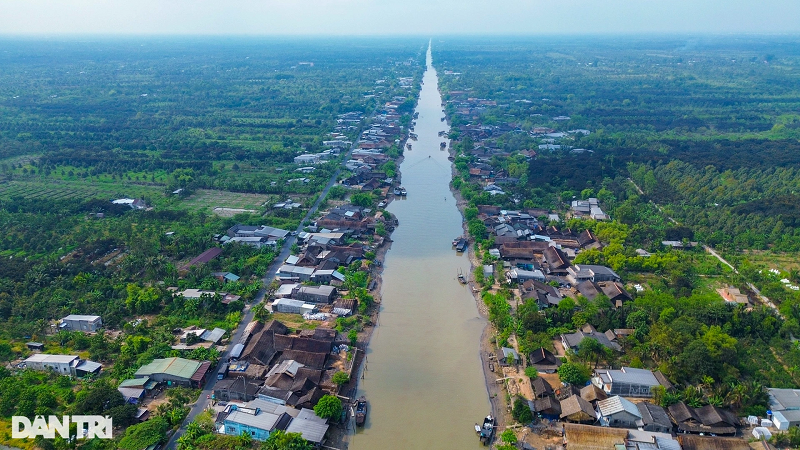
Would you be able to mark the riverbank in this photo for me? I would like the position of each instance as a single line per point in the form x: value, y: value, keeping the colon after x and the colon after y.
x: 497, y: 395
x: 339, y: 437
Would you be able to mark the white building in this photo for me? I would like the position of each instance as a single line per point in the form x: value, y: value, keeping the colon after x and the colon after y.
x: 79, y: 322
x: 69, y: 365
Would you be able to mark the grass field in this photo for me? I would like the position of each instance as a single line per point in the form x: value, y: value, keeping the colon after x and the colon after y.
x: 780, y: 261
x: 206, y: 200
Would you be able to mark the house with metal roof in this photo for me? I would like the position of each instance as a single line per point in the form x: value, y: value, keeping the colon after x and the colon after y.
x: 292, y: 306
x: 315, y: 294
x: 309, y: 425
x: 80, y: 322
x: 628, y: 381
x: 70, y: 365
x: 259, y: 418
x: 176, y: 371
x: 785, y: 407
x: 573, y: 340
x: 618, y: 412
x: 288, y: 271
x: 654, y: 418
x: 509, y: 353
x: 253, y: 422
x: 582, y: 272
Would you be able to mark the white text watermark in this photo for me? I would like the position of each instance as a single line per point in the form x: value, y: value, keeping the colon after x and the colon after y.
x: 88, y: 427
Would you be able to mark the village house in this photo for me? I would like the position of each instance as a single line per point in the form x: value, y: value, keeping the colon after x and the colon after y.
x: 69, y: 365
x: 130, y: 202
x: 583, y: 272
x: 557, y: 261
x: 236, y: 389
x: 290, y: 272
x: 593, y: 394
x: 293, y: 306
x: 708, y: 419
x: 589, y: 208
x: 176, y: 371
x: 272, y: 233
x: 544, y: 361
x: 541, y: 388
x: 306, y: 158
x: 572, y: 341
x: 544, y: 294
x: 225, y: 277
x: 547, y: 407
x: 618, y: 412
x: 575, y: 409
x: 628, y: 381
x: 654, y: 418
x: 315, y: 294
x: 79, y: 322
x: 785, y: 407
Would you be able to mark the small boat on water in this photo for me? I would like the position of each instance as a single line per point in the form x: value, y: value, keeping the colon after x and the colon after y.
x: 413, y: 136
x: 361, y: 411
x: 456, y: 240
x: 396, y: 191
x: 451, y: 158
x: 403, y: 192
x: 461, y: 278
x: 442, y: 145
x: 461, y: 245
x: 443, y: 119
x: 408, y: 146
x: 486, y: 431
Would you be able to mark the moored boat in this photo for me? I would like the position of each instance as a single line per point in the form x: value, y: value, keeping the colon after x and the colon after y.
x: 361, y: 411
x: 486, y: 431
x: 461, y: 278
x: 403, y: 192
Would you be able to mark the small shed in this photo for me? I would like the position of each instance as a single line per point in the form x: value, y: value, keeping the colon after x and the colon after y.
x: 509, y: 352
x: 35, y: 346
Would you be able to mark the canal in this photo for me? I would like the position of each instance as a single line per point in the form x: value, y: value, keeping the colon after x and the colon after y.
x: 424, y: 379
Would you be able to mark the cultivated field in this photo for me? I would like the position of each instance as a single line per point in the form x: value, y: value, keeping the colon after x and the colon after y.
x: 227, y: 202
x: 55, y: 190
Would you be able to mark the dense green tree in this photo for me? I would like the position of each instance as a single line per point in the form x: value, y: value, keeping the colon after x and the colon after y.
x: 328, y: 407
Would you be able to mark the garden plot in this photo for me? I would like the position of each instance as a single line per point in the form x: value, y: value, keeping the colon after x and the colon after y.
x: 225, y: 203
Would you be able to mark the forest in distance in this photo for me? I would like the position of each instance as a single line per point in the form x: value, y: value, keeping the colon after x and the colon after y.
x: 680, y: 139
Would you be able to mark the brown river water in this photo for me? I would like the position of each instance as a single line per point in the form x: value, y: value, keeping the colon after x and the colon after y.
x: 423, y: 378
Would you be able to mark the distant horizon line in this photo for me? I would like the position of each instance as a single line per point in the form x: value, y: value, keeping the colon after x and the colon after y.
x: 663, y: 34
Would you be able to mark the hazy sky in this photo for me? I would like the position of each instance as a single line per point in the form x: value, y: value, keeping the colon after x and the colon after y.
x: 387, y: 17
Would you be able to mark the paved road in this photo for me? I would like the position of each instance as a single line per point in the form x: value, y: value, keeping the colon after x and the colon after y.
x: 714, y: 253
x: 203, y: 402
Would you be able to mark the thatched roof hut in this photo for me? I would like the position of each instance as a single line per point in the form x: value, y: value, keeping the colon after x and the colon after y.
x: 587, y: 437
x: 576, y: 409
x: 694, y: 442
